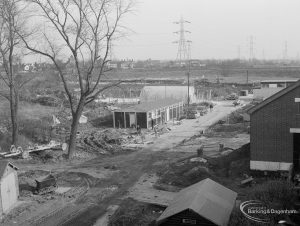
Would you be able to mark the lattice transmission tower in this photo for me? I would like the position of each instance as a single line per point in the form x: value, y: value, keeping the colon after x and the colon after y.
x: 183, y: 46
x: 251, y: 48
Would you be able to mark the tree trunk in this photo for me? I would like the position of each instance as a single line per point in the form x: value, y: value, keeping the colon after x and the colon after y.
x: 74, y: 128
x: 14, y: 115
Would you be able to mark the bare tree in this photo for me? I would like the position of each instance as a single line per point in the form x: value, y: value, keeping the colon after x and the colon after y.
x: 12, y: 23
x: 82, y: 30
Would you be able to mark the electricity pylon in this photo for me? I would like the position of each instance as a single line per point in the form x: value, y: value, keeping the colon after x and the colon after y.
x: 183, y: 52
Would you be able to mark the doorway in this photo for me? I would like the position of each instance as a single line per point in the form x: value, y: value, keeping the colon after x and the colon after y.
x: 296, y: 152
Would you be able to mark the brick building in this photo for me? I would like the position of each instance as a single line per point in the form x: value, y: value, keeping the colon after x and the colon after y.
x: 275, y: 131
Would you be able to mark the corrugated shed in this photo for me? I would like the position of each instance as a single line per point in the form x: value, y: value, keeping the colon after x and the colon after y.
x: 207, y: 198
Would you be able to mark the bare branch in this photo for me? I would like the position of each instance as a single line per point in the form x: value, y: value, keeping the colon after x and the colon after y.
x: 92, y: 97
x: 5, y: 95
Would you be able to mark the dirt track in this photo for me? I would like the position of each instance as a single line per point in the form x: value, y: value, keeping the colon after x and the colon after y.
x: 134, y: 165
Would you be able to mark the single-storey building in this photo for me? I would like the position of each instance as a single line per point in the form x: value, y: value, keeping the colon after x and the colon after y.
x: 204, y: 203
x: 9, y: 186
x: 277, y: 83
x: 153, y: 93
x: 275, y: 131
x: 145, y: 113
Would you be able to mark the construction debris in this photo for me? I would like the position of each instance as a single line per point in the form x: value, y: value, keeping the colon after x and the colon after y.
x: 14, y: 151
x: 51, y: 145
x: 247, y: 182
x: 102, y: 142
x: 198, y: 159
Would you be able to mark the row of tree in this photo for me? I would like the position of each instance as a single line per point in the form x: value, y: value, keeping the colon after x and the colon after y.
x: 58, y: 30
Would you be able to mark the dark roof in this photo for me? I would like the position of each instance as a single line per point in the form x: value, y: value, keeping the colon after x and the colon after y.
x: 3, y: 165
x: 274, y: 97
x: 148, y: 106
x: 207, y: 198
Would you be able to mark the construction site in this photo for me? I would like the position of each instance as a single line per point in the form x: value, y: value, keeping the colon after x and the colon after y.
x: 91, y: 139
x: 125, y: 175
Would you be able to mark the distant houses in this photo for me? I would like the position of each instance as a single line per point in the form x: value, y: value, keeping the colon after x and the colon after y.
x: 275, y: 131
x: 124, y: 64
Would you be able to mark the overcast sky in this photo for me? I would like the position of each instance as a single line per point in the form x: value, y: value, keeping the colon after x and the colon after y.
x: 217, y: 28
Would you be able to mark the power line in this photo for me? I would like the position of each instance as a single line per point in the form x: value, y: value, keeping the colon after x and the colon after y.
x: 285, y: 51
x: 239, y: 52
x: 189, y: 50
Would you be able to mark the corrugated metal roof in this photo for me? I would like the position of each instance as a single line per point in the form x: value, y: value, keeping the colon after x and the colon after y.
x: 151, y: 93
x: 274, y: 97
x: 207, y: 198
x: 149, y: 106
x: 3, y: 165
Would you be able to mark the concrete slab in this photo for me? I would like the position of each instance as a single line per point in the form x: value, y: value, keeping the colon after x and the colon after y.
x: 62, y: 190
x: 143, y: 191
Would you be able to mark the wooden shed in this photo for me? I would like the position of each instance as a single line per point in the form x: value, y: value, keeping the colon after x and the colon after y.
x: 159, y: 111
x: 204, y: 203
x: 9, y: 186
x: 275, y: 131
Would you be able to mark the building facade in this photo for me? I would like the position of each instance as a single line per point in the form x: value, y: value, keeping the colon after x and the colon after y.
x: 274, y: 131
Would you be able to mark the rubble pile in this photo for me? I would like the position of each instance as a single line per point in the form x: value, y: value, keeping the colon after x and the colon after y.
x: 48, y: 97
x: 102, y: 142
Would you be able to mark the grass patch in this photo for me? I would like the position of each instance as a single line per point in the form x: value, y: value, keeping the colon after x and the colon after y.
x: 274, y: 194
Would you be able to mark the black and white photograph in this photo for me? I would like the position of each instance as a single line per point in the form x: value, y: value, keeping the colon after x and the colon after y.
x: 149, y: 112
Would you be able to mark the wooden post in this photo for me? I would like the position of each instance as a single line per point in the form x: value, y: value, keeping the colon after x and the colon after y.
x: 124, y: 120
x: 200, y: 151
x: 114, y: 120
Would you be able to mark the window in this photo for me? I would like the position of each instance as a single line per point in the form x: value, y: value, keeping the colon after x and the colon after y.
x: 189, y: 221
x: 150, y: 115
